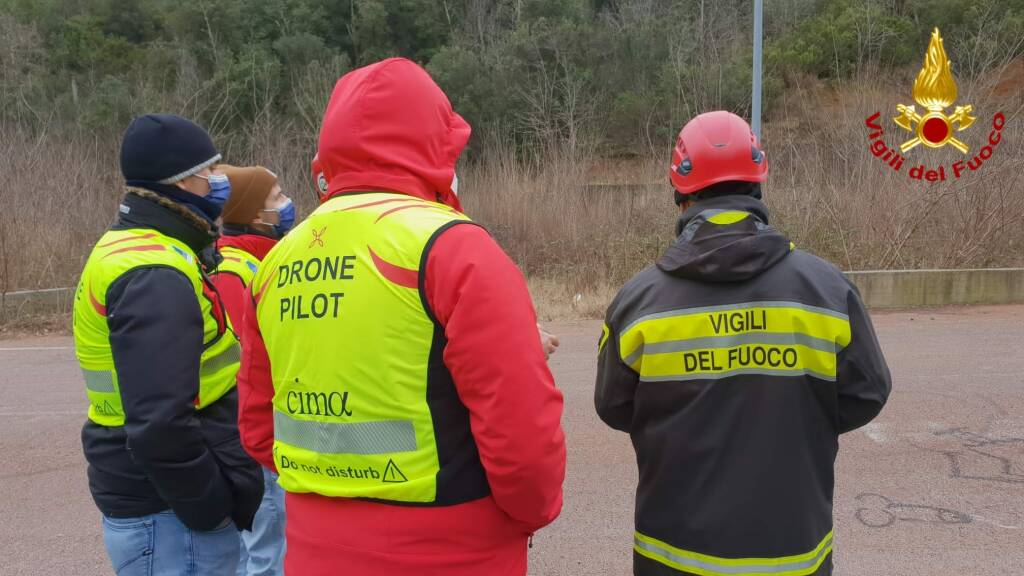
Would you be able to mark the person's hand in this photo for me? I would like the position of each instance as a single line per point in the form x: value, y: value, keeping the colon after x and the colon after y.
x: 548, y: 341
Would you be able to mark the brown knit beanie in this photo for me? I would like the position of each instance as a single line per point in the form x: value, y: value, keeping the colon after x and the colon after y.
x: 250, y: 187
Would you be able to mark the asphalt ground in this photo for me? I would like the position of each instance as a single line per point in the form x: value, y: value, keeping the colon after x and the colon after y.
x: 934, y: 487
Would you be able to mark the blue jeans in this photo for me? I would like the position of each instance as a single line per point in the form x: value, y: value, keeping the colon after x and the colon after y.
x: 262, y: 551
x: 160, y: 545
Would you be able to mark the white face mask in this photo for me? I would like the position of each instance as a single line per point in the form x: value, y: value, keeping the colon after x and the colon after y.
x: 455, y: 184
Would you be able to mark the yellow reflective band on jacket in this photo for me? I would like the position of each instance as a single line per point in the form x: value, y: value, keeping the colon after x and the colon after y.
x: 116, y: 253
x: 349, y: 341
x: 706, y: 565
x: 605, y: 333
x: 728, y: 217
x: 765, y: 338
x: 238, y: 262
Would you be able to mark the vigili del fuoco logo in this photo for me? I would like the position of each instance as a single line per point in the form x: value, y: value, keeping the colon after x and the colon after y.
x: 935, y: 91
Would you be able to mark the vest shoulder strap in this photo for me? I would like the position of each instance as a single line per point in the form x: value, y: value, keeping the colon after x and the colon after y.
x: 238, y: 262
x: 120, y: 251
x: 407, y: 221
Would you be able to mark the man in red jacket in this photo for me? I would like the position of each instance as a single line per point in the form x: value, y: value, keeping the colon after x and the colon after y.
x: 391, y: 370
x: 256, y: 216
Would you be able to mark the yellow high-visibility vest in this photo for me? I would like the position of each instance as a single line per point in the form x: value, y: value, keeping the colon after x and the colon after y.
x: 116, y: 253
x: 238, y: 262
x: 350, y: 339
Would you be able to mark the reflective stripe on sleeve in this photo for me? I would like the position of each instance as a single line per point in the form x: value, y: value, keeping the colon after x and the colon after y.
x: 706, y: 565
x: 382, y: 437
x: 605, y: 333
x: 101, y: 381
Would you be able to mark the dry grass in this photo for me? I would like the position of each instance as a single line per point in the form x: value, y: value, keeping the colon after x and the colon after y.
x: 578, y: 241
x: 59, y: 192
x: 30, y: 325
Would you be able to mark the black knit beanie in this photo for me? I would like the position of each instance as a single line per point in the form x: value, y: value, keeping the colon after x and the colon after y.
x: 164, y: 148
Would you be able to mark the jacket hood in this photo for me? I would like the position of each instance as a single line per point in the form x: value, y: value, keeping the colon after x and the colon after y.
x: 724, y: 239
x: 388, y: 126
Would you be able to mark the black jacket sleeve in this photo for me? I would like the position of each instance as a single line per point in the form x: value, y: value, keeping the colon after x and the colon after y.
x: 863, y: 378
x: 156, y: 336
x: 616, y: 382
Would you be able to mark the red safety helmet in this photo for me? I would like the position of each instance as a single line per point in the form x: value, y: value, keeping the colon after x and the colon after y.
x: 319, y: 179
x: 716, y: 147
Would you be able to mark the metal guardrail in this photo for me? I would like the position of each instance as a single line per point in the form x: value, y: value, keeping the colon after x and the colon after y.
x: 879, y: 288
x: 50, y: 300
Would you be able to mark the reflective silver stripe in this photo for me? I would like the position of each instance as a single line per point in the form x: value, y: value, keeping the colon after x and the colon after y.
x: 632, y: 358
x: 737, y: 372
x: 382, y: 437
x: 736, y: 308
x: 98, y: 380
x: 713, y: 566
x: 225, y: 358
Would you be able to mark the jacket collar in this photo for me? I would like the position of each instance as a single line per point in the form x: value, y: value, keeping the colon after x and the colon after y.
x: 729, y: 249
x: 256, y: 244
x: 702, y: 209
x: 142, y: 208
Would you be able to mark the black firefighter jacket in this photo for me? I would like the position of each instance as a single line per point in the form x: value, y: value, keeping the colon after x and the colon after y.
x: 734, y: 364
x: 192, y: 462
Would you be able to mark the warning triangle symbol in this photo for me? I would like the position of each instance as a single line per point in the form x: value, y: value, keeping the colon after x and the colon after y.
x: 392, y: 474
x: 106, y: 409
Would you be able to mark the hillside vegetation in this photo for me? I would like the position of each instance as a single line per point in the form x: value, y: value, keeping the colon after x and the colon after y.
x: 574, y: 106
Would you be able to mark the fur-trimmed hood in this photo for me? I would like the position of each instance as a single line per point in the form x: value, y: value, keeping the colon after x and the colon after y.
x: 143, y: 208
x: 171, y: 205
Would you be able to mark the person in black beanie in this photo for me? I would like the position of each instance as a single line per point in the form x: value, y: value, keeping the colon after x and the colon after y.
x: 159, y: 358
x: 174, y: 158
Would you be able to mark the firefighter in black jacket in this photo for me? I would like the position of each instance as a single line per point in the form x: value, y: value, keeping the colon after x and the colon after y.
x: 734, y: 363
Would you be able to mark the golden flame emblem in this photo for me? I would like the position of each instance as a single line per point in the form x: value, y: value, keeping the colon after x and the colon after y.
x: 935, y: 90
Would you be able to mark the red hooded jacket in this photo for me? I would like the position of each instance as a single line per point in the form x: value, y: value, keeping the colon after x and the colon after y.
x: 389, y: 127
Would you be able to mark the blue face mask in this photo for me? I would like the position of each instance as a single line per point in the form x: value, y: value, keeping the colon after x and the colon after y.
x: 286, y: 218
x: 220, y: 189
